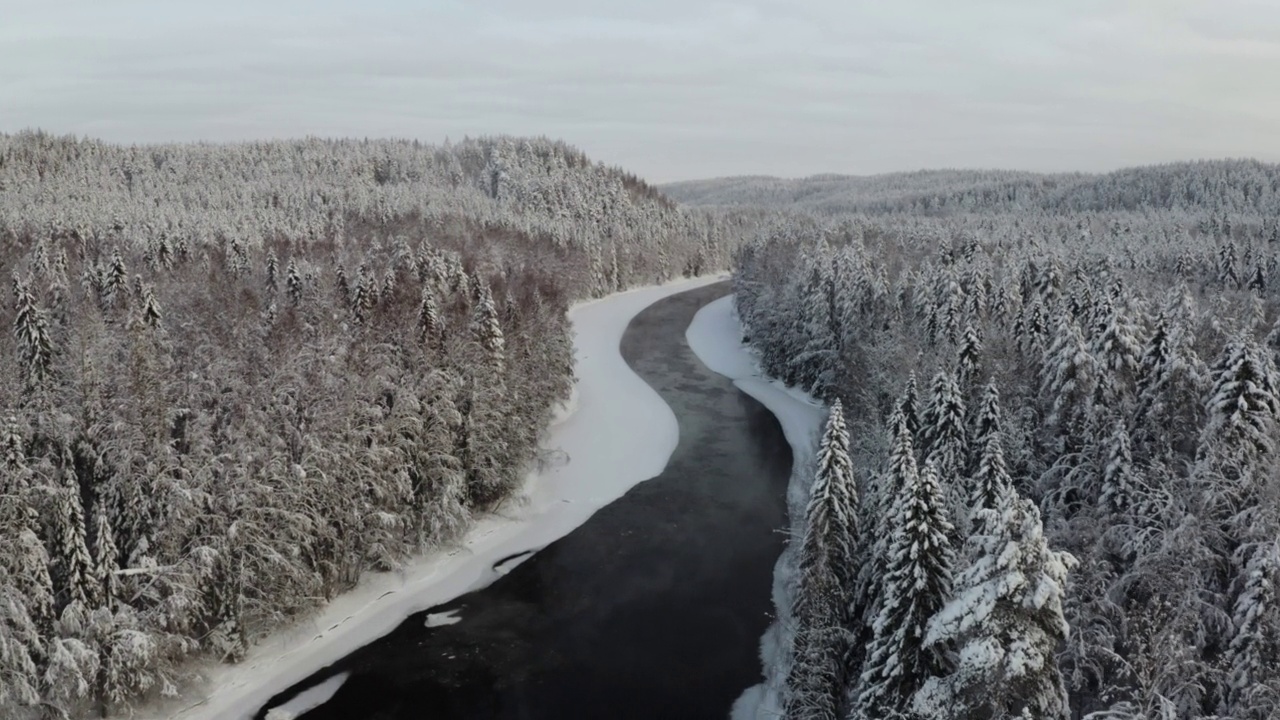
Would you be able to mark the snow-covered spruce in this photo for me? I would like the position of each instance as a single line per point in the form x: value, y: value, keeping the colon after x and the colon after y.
x: 825, y: 581
x: 1004, y: 623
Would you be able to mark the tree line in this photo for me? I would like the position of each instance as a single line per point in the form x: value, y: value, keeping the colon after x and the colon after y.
x: 237, y: 377
x: 1047, y: 485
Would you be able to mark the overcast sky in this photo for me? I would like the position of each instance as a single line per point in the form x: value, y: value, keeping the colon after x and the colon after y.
x: 672, y: 89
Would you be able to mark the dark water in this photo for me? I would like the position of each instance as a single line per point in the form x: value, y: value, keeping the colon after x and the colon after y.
x: 653, y: 609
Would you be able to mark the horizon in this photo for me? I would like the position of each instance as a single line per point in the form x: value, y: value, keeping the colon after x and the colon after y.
x: 671, y: 91
x: 655, y: 183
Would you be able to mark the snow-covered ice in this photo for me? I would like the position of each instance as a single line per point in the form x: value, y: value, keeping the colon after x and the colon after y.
x: 616, y: 433
x: 439, y: 619
x: 308, y: 699
x: 716, y: 338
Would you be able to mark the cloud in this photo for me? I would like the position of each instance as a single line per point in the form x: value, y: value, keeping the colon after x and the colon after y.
x: 671, y: 89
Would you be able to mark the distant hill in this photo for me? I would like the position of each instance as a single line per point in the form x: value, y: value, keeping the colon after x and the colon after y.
x: 1240, y: 186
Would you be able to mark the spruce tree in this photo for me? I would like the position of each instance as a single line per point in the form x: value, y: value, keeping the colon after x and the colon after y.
x: 106, y: 558
x: 825, y: 581
x: 969, y: 357
x: 75, y: 564
x: 916, y: 583
x: 1243, y: 405
x: 1005, y: 622
x: 487, y: 329
x: 1069, y: 378
x: 32, y: 332
x: 1253, y: 654
x: 293, y: 283
x: 991, y: 479
x: 946, y: 446
x: 1119, y: 480
x: 429, y: 327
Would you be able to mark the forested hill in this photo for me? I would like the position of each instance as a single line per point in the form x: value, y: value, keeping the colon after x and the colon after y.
x: 1237, y: 186
x: 235, y: 377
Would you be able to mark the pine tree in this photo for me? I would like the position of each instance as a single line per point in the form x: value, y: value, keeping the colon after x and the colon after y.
x: 825, y: 582
x: 1005, y: 622
x: 917, y: 581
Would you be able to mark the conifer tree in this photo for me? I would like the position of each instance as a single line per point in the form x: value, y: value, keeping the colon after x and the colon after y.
x: 991, y: 479
x: 1119, y: 355
x: 825, y: 582
x: 989, y: 415
x: 293, y: 283
x: 1253, y: 654
x: 942, y: 426
x: 32, y: 332
x: 905, y: 412
x: 917, y: 582
x: 75, y: 564
x: 487, y: 329
x: 273, y: 271
x: 362, y: 295
x: 106, y: 557
x: 429, y: 327
x: 1069, y: 379
x: 114, y: 281
x: 1243, y: 406
x: 1005, y: 622
x: 1119, y: 481
x: 969, y: 359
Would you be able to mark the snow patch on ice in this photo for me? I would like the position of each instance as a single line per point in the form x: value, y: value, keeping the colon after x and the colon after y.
x: 308, y: 699
x: 715, y: 335
x: 449, y: 617
x: 614, y: 432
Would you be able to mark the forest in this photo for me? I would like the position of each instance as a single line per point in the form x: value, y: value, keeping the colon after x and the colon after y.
x: 236, y: 377
x: 1047, y: 486
x: 239, y: 376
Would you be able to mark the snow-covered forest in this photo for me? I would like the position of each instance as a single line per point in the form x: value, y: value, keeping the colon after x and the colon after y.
x: 1048, y: 486
x: 237, y: 376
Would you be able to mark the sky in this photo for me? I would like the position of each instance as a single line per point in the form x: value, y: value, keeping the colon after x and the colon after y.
x: 670, y: 89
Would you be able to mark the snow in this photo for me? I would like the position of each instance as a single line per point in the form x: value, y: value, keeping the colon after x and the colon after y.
x: 715, y: 336
x: 308, y: 699
x: 616, y: 432
x: 442, y: 618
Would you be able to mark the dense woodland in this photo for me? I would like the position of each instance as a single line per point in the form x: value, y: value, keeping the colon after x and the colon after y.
x: 1048, y: 485
x: 236, y: 377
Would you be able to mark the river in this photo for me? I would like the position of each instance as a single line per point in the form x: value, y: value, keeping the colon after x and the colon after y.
x: 653, y: 609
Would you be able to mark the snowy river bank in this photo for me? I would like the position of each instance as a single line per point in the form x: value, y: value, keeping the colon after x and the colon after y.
x: 616, y: 421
